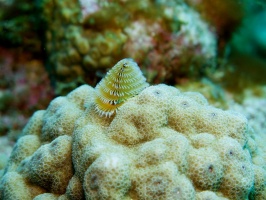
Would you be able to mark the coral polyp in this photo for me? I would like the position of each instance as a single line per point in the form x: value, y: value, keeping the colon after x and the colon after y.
x: 123, y: 81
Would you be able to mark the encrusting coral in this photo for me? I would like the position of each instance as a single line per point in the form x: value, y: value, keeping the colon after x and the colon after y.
x: 83, y: 38
x: 160, y: 144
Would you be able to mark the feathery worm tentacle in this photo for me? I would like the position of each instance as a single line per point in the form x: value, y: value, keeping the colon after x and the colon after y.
x: 123, y: 81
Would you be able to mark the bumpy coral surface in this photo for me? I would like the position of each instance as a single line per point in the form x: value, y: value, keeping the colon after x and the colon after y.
x: 85, y: 37
x: 161, y: 144
x: 252, y: 108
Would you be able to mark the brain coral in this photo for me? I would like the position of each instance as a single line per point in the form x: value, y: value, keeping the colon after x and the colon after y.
x: 160, y: 144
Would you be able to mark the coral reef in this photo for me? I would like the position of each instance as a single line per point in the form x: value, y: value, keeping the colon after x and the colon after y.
x: 157, y: 142
x: 24, y: 88
x: 64, y: 43
x: 252, y: 109
x: 160, y: 144
x: 215, y: 94
x: 19, y: 25
x: 83, y: 38
x: 5, y: 151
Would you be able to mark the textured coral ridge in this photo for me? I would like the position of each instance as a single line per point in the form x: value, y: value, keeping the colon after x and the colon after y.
x: 161, y: 144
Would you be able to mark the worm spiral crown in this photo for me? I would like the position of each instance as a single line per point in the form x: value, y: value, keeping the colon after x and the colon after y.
x: 123, y: 81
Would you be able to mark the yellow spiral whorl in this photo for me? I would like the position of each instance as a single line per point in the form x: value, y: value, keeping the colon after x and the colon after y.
x: 123, y: 81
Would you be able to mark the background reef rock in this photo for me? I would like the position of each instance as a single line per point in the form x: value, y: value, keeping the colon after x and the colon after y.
x: 84, y: 38
x: 24, y: 88
x: 19, y: 25
x: 161, y: 144
x: 173, y: 41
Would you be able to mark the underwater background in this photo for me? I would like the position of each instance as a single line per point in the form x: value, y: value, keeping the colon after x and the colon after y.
x: 50, y: 47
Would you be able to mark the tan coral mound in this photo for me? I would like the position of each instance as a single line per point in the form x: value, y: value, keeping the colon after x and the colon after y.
x: 161, y: 144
